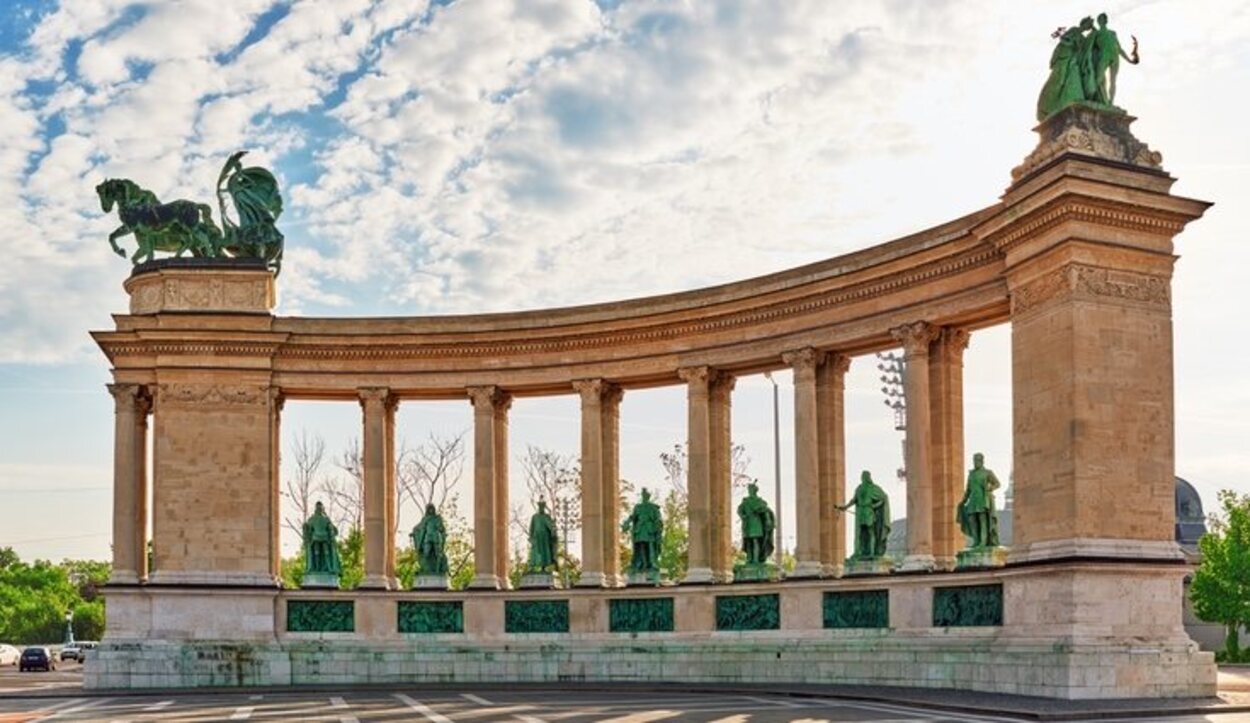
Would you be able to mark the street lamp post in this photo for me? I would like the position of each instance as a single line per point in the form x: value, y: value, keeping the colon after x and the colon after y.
x: 776, y: 463
x: 69, y: 627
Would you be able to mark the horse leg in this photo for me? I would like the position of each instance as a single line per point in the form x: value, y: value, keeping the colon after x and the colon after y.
x: 121, y: 231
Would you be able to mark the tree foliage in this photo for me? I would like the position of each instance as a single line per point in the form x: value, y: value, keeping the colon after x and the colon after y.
x: 1221, y: 586
x: 34, y: 598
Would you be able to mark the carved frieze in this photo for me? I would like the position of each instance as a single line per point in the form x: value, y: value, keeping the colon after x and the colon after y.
x: 213, y: 394
x: 1092, y: 282
x: 201, y: 290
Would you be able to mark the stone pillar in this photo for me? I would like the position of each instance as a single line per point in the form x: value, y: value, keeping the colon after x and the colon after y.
x: 485, y: 553
x: 503, y: 403
x: 591, y: 391
x: 376, y: 403
x: 831, y: 450
x: 392, y: 492
x: 720, y: 477
x: 946, y: 389
x: 129, y: 439
x: 276, y: 402
x: 916, y: 338
x: 611, y: 449
x: 698, y: 477
x: 807, y: 502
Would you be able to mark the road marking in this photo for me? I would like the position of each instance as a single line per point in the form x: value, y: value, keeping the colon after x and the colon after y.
x: 923, y: 714
x: 158, y: 706
x: 423, y: 709
x: 256, y: 697
x: 530, y: 719
x: 773, y: 702
x: 337, y: 702
x: 242, y: 713
x: 475, y: 699
x: 65, y: 710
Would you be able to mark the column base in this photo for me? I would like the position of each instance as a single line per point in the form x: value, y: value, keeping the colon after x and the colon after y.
x: 807, y: 569
x: 946, y: 564
x: 376, y: 582
x: 918, y: 563
x: 485, y: 582
x: 723, y: 577
x: 830, y: 570
x: 123, y: 577
x: 591, y: 579
x: 1097, y: 548
x: 229, y: 579
x: 697, y: 576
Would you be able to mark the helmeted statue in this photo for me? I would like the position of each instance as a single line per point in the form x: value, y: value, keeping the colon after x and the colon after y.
x: 976, y: 514
x: 183, y: 226
x: 321, y: 549
x: 872, y: 518
x: 1083, y: 68
x: 429, y: 540
x: 645, y: 526
x: 758, y: 524
x: 543, y: 540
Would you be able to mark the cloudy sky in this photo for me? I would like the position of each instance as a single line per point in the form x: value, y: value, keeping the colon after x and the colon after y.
x: 493, y: 155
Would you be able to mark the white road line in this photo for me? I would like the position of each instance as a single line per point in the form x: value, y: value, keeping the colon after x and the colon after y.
x: 773, y: 701
x: 923, y: 714
x: 475, y: 699
x: 60, y: 711
x: 242, y: 713
x: 337, y: 702
x: 158, y: 706
x: 256, y: 697
x: 423, y: 709
x: 529, y: 719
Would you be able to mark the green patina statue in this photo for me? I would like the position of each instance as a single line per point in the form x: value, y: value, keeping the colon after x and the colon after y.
x: 543, y: 540
x: 758, y: 524
x: 322, y: 564
x: 1083, y: 68
x: 183, y: 226
x: 429, y: 539
x: 872, y: 519
x: 646, y: 527
x: 976, y: 514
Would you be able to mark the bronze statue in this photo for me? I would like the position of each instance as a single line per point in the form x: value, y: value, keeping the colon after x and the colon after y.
x: 758, y: 524
x: 646, y: 527
x: 1083, y: 68
x: 976, y: 514
x: 322, y: 565
x: 872, y: 519
x: 543, y: 540
x: 429, y: 539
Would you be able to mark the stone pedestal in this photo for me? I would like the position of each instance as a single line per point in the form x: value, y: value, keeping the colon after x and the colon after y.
x: 539, y: 581
x: 199, y: 285
x: 431, y: 582
x: 877, y: 566
x: 766, y: 572
x: 320, y: 580
x: 650, y: 579
x: 979, y: 558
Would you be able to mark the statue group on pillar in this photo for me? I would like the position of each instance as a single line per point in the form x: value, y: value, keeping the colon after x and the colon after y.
x: 322, y: 565
x: 1083, y: 68
x: 645, y: 526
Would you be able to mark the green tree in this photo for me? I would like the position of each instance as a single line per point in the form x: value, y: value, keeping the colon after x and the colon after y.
x: 352, y: 553
x: 291, y: 569
x: 675, y: 545
x: 1221, y: 586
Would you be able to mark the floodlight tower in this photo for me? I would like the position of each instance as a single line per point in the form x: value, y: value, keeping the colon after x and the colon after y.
x: 891, y: 366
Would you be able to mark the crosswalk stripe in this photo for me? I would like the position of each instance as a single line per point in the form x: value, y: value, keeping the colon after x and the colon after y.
x: 429, y: 713
x: 475, y: 699
x: 242, y: 713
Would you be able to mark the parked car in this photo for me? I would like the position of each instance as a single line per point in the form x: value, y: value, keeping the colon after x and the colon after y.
x: 9, y: 655
x: 78, y: 651
x: 36, y: 659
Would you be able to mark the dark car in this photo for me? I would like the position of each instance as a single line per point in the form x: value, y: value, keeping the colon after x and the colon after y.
x: 36, y: 659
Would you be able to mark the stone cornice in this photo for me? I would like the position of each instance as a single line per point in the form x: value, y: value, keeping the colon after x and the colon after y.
x: 1087, y: 209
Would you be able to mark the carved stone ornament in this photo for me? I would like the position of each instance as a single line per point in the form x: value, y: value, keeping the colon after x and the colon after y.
x: 1080, y: 280
x: 217, y: 394
x: 803, y: 361
x: 487, y: 398
x: 1087, y: 132
x: 201, y: 290
x: 916, y: 337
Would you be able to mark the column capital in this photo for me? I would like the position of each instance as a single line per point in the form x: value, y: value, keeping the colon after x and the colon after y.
x: 698, y: 378
x: 838, y: 362
x: 803, y: 361
x: 722, y: 385
x: 954, y: 341
x: 373, y: 396
x: 488, y: 397
x: 916, y: 337
x: 277, y: 398
x: 126, y: 397
x: 591, y: 390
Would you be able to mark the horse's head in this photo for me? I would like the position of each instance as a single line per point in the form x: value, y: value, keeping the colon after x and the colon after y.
x: 111, y: 191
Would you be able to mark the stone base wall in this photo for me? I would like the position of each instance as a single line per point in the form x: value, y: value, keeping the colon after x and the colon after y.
x: 979, y: 663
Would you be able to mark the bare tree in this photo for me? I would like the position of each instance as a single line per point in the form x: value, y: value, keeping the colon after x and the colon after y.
x: 346, y: 495
x: 427, y: 474
x: 675, y: 464
x: 307, y: 454
x: 557, y: 479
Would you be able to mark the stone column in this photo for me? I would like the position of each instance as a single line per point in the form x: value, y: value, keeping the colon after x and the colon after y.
x: 276, y: 402
x: 698, y: 483
x: 831, y: 450
x: 611, y: 448
x: 807, y: 502
x: 946, y: 382
x: 485, y: 554
x: 916, y: 338
x: 375, y: 402
x: 720, y: 476
x: 128, y: 409
x: 392, y: 492
x: 591, y: 391
x: 503, y: 403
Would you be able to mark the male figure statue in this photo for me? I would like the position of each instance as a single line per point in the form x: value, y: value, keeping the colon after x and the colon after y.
x: 543, y: 540
x: 646, y: 528
x: 872, y: 518
x: 976, y: 514
x: 322, y: 565
x: 758, y: 524
x: 1105, y: 54
x: 429, y: 539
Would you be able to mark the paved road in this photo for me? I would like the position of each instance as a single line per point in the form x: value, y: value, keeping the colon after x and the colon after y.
x: 525, y: 707
x: 67, y: 676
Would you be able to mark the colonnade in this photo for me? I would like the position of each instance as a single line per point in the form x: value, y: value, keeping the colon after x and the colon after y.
x: 933, y: 382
